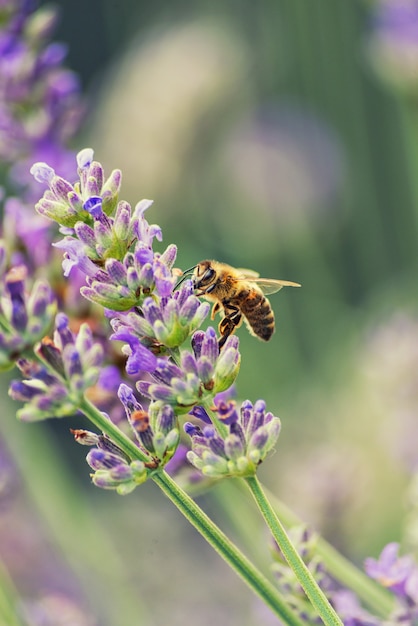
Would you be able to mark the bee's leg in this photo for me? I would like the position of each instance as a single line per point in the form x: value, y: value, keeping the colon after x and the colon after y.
x: 229, y: 323
x: 215, y: 310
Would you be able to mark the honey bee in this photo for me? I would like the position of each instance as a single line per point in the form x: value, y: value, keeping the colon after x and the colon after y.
x: 240, y: 294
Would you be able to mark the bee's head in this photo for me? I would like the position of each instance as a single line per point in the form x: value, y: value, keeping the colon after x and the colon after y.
x: 204, y: 274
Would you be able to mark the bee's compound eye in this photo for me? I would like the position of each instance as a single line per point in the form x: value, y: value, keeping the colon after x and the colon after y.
x: 207, y: 276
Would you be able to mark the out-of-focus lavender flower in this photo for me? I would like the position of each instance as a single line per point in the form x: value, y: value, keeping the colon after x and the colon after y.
x: 24, y: 316
x: 200, y: 375
x: 56, y: 609
x: 304, y: 541
x: 272, y: 158
x: 40, y: 100
x: 164, y: 324
x: 348, y: 608
x: 252, y: 433
x: 393, y: 42
x: 72, y: 365
x: 22, y: 226
x: 391, y: 570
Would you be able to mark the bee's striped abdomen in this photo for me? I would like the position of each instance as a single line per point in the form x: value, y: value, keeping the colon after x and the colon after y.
x: 258, y: 313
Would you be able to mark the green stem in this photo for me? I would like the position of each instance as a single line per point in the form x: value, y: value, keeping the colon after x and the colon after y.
x: 213, y: 535
x: 376, y: 598
x: 226, y: 549
x: 304, y: 576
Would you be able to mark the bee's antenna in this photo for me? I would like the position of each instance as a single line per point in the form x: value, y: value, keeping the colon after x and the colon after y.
x: 186, y: 274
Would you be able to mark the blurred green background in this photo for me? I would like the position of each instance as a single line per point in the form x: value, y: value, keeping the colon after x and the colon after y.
x: 267, y: 140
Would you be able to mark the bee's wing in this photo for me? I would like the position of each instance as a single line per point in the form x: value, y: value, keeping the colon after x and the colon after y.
x: 268, y: 286
x: 247, y: 274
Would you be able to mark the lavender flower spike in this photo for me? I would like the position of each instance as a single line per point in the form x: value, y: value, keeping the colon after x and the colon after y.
x: 72, y: 365
x: 24, y: 316
x: 391, y: 570
x: 167, y: 323
x: 251, y: 436
x: 200, y: 375
x: 156, y: 430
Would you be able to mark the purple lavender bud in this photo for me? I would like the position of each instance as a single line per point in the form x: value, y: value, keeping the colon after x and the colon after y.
x: 237, y: 430
x: 106, y: 444
x: 227, y: 411
x: 53, y: 54
x: 146, y: 276
x: 40, y: 301
x: 143, y: 255
x: 234, y: 448
x: 51, y: 355
x: 128, y: 399
x: 191, y: 429
x: 200, y: 413
x: 189, y: 308
x: 110, y: 378
x: 166, y: 371
x: 139, y: 420
x: 72, y: 362
x: 209, y: 346
x: 166, y: 419
x: 61, y: 188
x: 164, y: 281
x: 122, y: 221
x: 168, y: 257
x: 205, y: 372
x: 197, y: 341
x: 185, y: 291
x: 156, y: 392
x: 216, y: 443
x: 121, y: 473
x: 15, y: 284
x: 93, y: 206
x: 246, y: 413
x: 110, y: 191
x: 258, y: 440
x: 84, y: 158
x: 116, y: 271
x: 188, y: 363
x: 94, y: 182
x: 151, y: 311
x: 63, y: 335
x: 42, y: 172
x: 101, y: 459
x: 23, y: 391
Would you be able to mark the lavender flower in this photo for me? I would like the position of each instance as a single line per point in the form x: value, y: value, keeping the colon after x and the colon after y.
x: 200, y: 375
x: 72, y: 365
x: 348, y: 608
x: 393, y: 42
x: 107, y: 240
x: 252, y: 433
x: 392, y: 571
x: 156, y: 430
x: 164, y: 324
x: 24, y: 316
x: 40, y: 102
